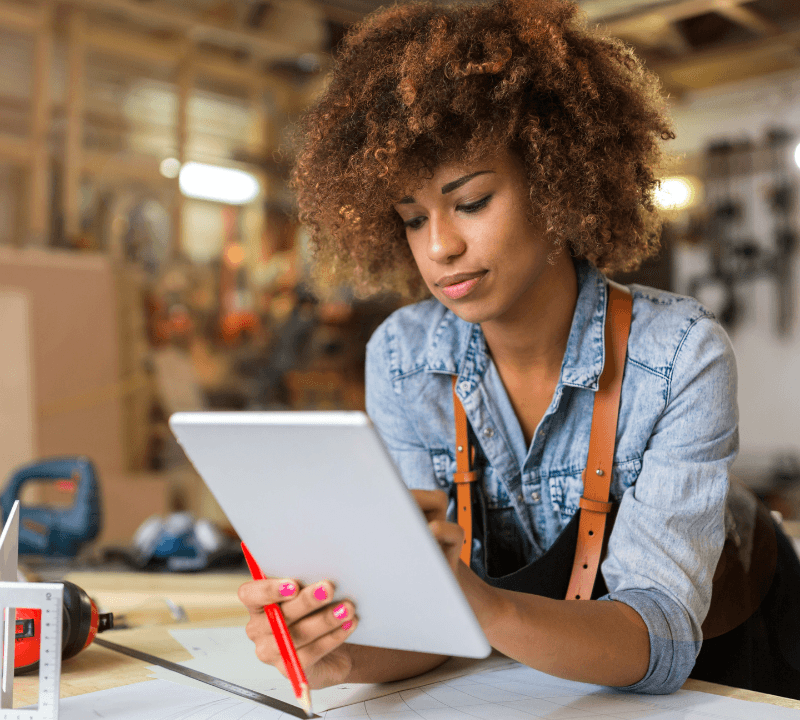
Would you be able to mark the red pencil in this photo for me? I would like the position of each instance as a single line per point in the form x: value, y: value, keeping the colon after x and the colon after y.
x: 284, y: 640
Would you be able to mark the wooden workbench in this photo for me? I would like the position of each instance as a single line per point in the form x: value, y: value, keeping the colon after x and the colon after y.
x: 209, y: 601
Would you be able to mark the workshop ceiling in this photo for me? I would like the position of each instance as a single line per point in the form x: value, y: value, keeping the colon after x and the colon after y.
x: 691, y: 44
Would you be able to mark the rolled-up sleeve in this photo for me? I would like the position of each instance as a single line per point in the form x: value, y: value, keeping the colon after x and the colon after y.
x: 385, y: 408
x: 670, y: 527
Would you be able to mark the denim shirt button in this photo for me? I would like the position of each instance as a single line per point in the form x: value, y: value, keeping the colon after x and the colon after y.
x: 488, y: 432
x: 535, y: 496
x: 464, y: 387
x: 442, y: 482
x: 519, y: 497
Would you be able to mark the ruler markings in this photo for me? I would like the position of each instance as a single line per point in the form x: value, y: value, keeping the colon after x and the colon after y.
x: 49, y: 598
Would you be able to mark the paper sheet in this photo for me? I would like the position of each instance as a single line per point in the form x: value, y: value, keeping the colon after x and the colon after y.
x: 161, y: 700
x: 227, y: 653
x: 496, y: 688
x: 516, y: 693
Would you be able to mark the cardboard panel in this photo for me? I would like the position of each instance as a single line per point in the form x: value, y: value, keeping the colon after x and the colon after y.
x: 16, y: 391
x: 74, y: 364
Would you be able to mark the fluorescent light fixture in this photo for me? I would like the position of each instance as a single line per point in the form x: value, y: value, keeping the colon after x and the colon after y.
x: 219, y: 184
x: 676, y: 193
x: 797, y: 155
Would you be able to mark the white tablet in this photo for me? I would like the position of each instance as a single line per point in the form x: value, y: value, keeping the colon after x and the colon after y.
x: 316, y: 496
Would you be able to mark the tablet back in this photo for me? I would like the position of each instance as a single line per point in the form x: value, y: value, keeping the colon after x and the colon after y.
x: 316, y: 496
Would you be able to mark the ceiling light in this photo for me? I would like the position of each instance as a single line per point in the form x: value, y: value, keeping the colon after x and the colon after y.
x: 797, y: 155
x: 170, y: 167
x: 219, y: 184
x: 676, y: 193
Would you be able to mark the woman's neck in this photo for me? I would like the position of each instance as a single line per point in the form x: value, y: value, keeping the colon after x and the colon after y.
x: 534, y: 340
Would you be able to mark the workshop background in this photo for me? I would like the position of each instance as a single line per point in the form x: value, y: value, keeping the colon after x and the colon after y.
x: 150, y: 258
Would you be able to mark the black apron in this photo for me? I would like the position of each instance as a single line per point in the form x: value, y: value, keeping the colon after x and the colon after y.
x: 762, y: 653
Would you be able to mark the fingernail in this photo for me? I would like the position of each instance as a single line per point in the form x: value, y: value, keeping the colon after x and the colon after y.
x: 288, y: 589
x: 321, y: 593
x: 340, y: 612
x: 347, y: 625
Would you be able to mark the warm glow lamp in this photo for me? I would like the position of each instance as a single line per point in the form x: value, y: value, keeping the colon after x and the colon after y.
x: 676, y: 193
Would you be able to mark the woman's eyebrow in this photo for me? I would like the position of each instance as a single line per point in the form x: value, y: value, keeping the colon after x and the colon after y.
x: 461, y: 181
x: 449, y: 187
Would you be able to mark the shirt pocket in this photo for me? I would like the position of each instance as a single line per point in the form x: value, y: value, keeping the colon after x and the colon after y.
x: 566, y: 488
x: 444, y: 465
x: 625, y: 475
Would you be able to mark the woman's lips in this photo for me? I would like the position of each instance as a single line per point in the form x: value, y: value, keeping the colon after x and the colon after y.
x: 459, y: 290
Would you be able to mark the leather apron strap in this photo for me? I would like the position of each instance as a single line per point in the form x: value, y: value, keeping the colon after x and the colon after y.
x: 464, y: 476
x: 594, y: 504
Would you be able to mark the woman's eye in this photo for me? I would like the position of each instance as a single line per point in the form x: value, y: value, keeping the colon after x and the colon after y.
x: 414, y: 223
x: 476, y: 206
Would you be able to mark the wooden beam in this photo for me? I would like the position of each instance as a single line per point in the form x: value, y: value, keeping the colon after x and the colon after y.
x: 671, y: 11
x: 119, y: 43
x: 15, y: 149
x: 750, y: 19
x: 258, y: 131
x: 166, y: 54
x: 123, y: 168
x: 688, y: 71
x: 39, y: 177
x: 786, y: 40
x: 20, y: 18
x: 186, y: 80
x: 652, y: 31
x: 226, y: 71
x: 73, y: 148
x: 262, y: 43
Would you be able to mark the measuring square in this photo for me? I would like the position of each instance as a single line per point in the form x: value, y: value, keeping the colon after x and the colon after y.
x: 49, y: 598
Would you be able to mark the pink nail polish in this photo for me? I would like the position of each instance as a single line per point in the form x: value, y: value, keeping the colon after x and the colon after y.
x: 321, y: 593
x: 340, y: 612
x: 287, y: 589
x: 347, y: 625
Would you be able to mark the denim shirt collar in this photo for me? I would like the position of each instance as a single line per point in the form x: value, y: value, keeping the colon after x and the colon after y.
x: 584, y: 356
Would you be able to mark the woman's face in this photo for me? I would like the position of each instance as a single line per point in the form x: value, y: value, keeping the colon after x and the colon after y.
x: 468, y: 230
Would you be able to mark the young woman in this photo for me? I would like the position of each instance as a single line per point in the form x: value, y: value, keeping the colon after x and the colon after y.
x: 498, y: 160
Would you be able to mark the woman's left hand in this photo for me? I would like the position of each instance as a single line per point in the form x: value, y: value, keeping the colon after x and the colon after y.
x: 449, y: 535
x: 483, y: 598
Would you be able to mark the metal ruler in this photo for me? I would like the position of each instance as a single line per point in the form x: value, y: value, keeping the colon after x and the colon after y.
x: 48, y: 597
x: 230, y: 687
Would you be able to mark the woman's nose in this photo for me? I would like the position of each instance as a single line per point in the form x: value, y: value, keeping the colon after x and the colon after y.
x: 444, y: 241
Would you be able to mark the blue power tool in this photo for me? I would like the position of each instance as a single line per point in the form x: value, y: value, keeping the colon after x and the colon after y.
x: 56, y: 531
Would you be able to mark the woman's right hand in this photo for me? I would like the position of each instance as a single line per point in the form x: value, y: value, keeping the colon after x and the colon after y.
x: 317, y: 627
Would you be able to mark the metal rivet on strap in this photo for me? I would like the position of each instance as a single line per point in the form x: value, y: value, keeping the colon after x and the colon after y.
x: 598, y: 471
x: 460, y: 448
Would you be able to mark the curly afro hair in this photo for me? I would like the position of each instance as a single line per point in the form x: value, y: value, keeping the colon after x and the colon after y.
x: 418, y: 85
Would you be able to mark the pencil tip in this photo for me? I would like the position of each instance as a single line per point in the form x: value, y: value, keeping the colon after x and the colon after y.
x: 305, y: 702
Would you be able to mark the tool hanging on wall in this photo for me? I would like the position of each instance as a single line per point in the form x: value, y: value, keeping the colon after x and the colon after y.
x: 736, y: 259
x: 51, y: 529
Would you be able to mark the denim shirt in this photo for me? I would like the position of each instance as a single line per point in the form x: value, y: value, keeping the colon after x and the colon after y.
x: 677, y: 437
